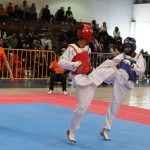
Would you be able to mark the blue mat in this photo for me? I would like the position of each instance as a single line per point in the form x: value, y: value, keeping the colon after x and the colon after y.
x: 43, y: 127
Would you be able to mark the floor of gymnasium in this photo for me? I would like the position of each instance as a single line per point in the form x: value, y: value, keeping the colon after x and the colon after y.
x: 139, y: 96
x: 31, y: 119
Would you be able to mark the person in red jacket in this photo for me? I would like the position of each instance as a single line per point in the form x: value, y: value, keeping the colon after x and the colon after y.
x: 57, y: 74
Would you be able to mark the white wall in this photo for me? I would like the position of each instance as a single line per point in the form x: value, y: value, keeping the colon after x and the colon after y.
x: 142, y: 26
x: 114, y: 12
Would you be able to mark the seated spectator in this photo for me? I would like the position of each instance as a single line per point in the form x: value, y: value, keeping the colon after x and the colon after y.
x: 3, y: 34
x: 24, y: 11
x: 116, y: 34
x: 46, y: 42
x: 103, y: 28
x: 12, y: 41
x: 3, y: 14
x: 27, y: 41
x: 69, y: 15
x: 10, y: 10
x: 142, y: 51
x: 46, y: 14
x: 62, y: 40
x: 37, y: 44
x: 32, y: 12
x: 60, y: 15
x: 113, y: 50
x: 95, y: 45
x: 17, y: 13
x: 57, y: 74
x: 95, y: 27
x: 103, y: 34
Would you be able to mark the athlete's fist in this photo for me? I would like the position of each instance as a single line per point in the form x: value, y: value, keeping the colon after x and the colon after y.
x: 126, y: 61
x: 133, y: 65
x: 77, y: 64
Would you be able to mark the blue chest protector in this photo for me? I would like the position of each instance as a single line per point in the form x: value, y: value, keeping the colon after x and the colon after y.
x: 128, y: 69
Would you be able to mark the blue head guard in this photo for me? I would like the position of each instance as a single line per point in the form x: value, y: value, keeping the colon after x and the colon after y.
x: 132, y: 42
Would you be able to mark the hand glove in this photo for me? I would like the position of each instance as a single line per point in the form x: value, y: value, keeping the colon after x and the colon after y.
x: 126, y: 61
x: 133, y: 65
x: 77, y: 64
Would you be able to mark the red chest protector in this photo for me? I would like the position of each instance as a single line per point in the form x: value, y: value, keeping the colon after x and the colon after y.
x: 85, y: 68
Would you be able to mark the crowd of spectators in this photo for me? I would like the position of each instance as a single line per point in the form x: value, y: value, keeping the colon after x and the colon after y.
x: 107, y: 43
x: 43, y: 39
x: 29, y: 13
x: 102, y: 41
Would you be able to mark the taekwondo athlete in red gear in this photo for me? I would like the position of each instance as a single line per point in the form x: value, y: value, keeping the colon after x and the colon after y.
x: 76, y: 58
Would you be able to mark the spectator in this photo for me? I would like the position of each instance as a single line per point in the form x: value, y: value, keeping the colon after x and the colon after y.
x: 69, y: 15
x: 95, y: 27
x: 116, y: 34
x: 10, y: 10
x: 95, y: 45
x: 32, y: 12
x: 113, y: 50
x: 46, y: 43
x: 37, y: 44
x: 72, y: 36
x: 3, y: 34
x: 142, y: 51
x: 57, y: 74
x: 25, y: 11
x: 3, y: 14
x: 17, y: 12
x: 46, y: 14
x: 12, y: 41
x: 60, y: 15
x: 103, y: 28
x: 28, y: 41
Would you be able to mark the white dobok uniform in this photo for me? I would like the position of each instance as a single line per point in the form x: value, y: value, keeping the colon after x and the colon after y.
x: 86, y: 85
x: 120, y: 80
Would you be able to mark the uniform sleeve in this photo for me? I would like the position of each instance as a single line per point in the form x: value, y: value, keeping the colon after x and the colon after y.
x: 65, y: 60
x: 140, y: 66
x: 4, y: 58
x: 118, y: 59
x: 89, y: 51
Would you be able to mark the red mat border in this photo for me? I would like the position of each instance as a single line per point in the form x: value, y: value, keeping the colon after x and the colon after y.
x: 126, y: 112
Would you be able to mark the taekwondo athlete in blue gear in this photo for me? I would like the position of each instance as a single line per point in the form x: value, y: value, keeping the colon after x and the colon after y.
x: 131, y: 65
x: 129, y: 70
x: 127, y: 63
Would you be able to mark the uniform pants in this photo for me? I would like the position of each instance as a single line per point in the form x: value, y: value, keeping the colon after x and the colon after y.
x: 85, y: 95
x: 121, y: 86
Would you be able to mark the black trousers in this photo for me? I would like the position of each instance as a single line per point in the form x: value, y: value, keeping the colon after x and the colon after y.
x: 57, y: 77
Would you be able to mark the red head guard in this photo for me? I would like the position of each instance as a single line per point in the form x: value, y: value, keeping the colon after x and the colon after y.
x: 85, y: 32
